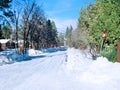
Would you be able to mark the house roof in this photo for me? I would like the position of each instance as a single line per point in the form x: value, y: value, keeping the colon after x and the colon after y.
x: 4, y: 40
x: 19, y: 41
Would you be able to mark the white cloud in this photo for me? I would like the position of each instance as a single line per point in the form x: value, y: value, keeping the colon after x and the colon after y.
x: 62, y: 24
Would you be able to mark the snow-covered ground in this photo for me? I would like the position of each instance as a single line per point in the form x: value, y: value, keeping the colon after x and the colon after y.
x: 50, y: 71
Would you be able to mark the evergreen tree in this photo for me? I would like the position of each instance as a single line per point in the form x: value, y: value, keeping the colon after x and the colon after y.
x: 0, y: 31
x: 55, y: 35
x: 5, y: 7
x: 61, y: 38
x: 99, y: 15
x: 106, y: 16
x: 67, y: 31
x: 5, y: 12
x: 68, y: 35
x: 49, y: 34
x: 6, y: 31
x: 1, y: 34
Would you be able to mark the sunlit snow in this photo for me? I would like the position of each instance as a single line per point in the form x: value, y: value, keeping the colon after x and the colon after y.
x: 59, y: 70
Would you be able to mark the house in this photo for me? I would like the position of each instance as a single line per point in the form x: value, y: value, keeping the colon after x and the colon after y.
x: 6, y: 43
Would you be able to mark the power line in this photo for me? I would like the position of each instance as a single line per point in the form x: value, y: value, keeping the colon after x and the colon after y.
x: 20, y: 4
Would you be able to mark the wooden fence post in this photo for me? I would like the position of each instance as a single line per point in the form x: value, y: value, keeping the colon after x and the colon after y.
x: 118, y: 51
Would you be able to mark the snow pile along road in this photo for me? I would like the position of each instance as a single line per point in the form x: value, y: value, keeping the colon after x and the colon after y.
x: 99, y: 74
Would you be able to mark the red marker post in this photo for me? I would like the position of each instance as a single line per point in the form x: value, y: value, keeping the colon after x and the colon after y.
x: 103, y: 38
x: 104, y: 34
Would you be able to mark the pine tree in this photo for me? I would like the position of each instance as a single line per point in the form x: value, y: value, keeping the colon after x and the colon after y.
x: 61, y: 38
x: 55, y: 34
x: 68, y: 35
x: 6, y: 31
x: 49, y: 34
x: 5, y: 7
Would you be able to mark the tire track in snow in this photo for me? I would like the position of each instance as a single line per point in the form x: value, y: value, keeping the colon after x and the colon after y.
x: 51, y: 64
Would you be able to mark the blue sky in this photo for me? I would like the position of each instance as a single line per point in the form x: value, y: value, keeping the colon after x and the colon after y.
x: 63, y: 12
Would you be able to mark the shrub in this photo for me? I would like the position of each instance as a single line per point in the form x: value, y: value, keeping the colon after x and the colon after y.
x: 109, y: 52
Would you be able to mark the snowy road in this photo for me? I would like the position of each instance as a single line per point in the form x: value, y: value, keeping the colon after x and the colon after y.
x: 49, y: 71
x: 36, y: 74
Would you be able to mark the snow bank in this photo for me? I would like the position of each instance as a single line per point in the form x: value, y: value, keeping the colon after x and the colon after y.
x: 97, y: 74
x: 11, y: 55
x: 5, y: 56
x: 32, y: 52
x: 3, y: 59
x: 54, y: 49
x: 77, y: 59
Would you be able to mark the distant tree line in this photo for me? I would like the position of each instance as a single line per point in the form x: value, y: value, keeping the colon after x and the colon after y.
x: 29, y: 23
